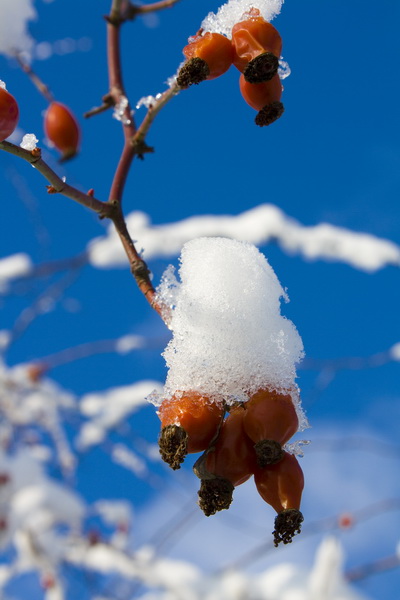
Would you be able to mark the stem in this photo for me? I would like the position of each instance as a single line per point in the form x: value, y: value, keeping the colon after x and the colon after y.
x: 138, y: 267
x: 133, y: 10
x: 57, y: 185
x: 153, y: 111
x: 37, y: 82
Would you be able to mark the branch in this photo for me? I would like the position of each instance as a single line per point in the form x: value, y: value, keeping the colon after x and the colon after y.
x: 154, y: 109
x: 378, y: 566
x: 57, y: 185
x: 132, y: 11
x: 37, y: 82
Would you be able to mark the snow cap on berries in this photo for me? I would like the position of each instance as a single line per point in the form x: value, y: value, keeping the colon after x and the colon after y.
x: 229, y: 337
x: 235, y: 11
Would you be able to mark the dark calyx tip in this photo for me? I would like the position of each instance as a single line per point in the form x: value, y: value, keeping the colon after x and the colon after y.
x: 287, y: 524
x: 262, y: 68
x: 194, y: 71
x: 214, y: 495
x: 268, y: 452
x: 173, y: 442
x: 269, y: 114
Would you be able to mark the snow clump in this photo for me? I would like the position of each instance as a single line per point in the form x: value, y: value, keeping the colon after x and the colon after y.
x: 229, y: 337
x: 29, y: 141
x: 235, y: 11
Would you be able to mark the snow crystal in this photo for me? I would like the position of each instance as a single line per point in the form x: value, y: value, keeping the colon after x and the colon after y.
x: 119, y: 111
x: 14, y: 17
x: 2, y: 85
x: 284, y: 69
x: 229, y: 338
x: 235, y: 11
x: 296, y: 447
x: 29, y: 141
x: 146, y: 101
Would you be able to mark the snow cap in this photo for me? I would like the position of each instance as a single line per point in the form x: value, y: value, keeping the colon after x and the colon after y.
x: 229, y: 337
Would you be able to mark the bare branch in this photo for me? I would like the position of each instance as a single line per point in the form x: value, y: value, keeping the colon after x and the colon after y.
x: 153, y: 111
x: 37, y: 82
x: 133, y: 10
x: 57, y: 185
x: 378, y: 566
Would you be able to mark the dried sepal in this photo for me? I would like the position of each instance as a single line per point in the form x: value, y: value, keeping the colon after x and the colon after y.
x: 270, y: 113
x: 287, y: 524
x: 194, y: 71
x: 262, y: 68
x: 173, y: 442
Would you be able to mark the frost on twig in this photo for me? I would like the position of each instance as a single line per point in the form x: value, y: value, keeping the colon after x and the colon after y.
x: 120, y: 111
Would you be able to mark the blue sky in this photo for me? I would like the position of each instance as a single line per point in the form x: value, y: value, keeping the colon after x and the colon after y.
x: 333, y: 157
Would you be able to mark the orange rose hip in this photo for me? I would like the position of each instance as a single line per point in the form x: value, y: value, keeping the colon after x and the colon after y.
x: 208, y: 56
x: 189, y: 421
x: 270, y: 420
x: 257, y: 47
x: 281, y: 486
x: 62, y: 129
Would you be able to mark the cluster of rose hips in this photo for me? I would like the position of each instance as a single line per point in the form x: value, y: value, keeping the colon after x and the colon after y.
x: 248, y: 441
x: 255, y: 49
x: 60, y: 125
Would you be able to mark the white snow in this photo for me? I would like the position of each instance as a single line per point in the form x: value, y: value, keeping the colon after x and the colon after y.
x: 127, y: 343
x: 394, y: 352
x: 14, y: 20
x: 119, y: 111
x: 114, y: 512
x: 29, y: 141
x: 235, y: 11
x: 258, y: 225
x: 122, y: 455
x: 106, y: 409
x: 229, y: 337
x: 13, y: 267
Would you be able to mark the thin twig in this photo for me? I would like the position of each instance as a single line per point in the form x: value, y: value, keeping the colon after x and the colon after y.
x: 378, y: 566
x: 57, y: 185
x: 153, y: 111
x: 133, y: 10
x: 41, y: 305
x: 37, y: 82
x: 138, y: 266
x: 325, y: 524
